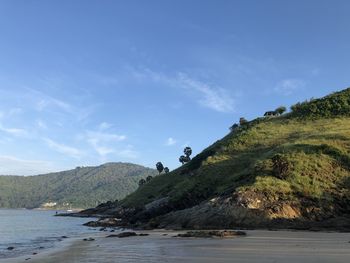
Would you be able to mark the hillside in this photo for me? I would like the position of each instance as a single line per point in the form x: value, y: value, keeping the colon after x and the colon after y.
x: 287, y: 171
x: 81, y: 187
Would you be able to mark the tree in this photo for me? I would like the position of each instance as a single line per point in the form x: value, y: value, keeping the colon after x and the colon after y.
x: 280, y: 110
x: 182, y: 159
x: 242, y: 121
x: 159, y: 167
x: 149, y: 178
x: 234, y: 127
x: 142, y: 182
x: 166, y: 170
x: 188, y: 151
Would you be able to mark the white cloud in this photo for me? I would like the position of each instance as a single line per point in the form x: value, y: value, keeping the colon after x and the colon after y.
x: 14, y: 131
x: 170, y: 141
x: 43, y: 102
x: 96, y: 137
x: 10, y: 165
x: 102, y: 150
x: 49, y: 101
x: 41, y: 124
x: 289, y: 86
x: 209, y: 95
x: 99, y: 139
x: 105, y: 143
x: 104, y: 126
x: 64, y: 149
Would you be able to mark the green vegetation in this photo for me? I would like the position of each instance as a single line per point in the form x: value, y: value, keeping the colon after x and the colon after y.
x: 336, y: 104
x: 159, y: 167
x: 279, y: 111
x: 186, y: 158
x: 303, y: 155
x: 79, y: 188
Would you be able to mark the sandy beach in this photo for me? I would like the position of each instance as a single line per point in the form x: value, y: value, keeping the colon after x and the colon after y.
x: 161, y: 246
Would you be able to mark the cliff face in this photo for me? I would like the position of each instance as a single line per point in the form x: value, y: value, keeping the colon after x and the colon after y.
x: 286, y: 171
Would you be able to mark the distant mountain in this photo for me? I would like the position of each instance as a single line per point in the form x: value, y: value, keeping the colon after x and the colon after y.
x: 81, y: 187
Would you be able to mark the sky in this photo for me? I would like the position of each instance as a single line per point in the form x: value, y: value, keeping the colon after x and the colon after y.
x: 88, y: 82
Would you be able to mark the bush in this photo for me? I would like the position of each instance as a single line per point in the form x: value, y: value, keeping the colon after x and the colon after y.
x: 242, y: 121
x: 336, y: 104
x: 281, y: 166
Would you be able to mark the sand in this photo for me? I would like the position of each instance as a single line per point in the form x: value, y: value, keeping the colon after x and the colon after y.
x: 258, y: 246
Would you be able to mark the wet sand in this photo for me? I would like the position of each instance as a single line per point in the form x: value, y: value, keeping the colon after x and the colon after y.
x: 257, y: 246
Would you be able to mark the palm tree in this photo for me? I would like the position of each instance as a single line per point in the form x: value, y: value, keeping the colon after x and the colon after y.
x: 159, y: 167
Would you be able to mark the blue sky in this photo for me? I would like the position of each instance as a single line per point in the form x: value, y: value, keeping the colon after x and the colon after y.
x: 88, y: 82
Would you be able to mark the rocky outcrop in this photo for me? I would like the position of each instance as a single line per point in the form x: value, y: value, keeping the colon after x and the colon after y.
x: 104, y: 222
x: 124, y: 234
x: 213, y: 233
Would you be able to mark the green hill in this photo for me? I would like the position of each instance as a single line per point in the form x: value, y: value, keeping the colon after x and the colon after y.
x: 79, y: 188
x: 287, y: 171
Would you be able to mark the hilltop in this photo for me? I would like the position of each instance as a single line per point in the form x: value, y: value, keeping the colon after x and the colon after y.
x: 81, y: 187
x: 284, y: 171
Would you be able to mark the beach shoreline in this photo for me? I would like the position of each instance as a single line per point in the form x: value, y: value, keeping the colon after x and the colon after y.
x: 162, y: 246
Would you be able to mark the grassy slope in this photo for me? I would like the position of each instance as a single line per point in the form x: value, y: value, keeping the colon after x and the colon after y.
x: 82, y: 187
x: 315, y: 147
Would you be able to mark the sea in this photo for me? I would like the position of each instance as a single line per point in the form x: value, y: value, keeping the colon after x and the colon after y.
x: 34, y: 230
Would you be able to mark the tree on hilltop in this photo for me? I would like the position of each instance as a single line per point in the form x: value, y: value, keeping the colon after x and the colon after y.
x: 159, y: 167
x: 188, y: 151
x: 280, y: 110
x: 242, y: 121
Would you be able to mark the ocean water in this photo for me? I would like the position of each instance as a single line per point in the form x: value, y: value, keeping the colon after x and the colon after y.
x: 34, y: 230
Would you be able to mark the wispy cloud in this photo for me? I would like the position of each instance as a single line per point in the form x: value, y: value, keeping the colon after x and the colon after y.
x: 41, y: 124
x: 42, y: 102
x: 104, y: 126
x: 289, y: 86
x: 106, y: 143
x: 170, y: 141
x: 208, y: 95
x: 14, y: 131
x: 10, y: 165
x: 49, y: 101
x: 64, y: 149
x: 215, y: 98
x: 101, y: 141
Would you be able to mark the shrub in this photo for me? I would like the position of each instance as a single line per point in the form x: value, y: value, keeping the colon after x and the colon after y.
x: 281, y: 166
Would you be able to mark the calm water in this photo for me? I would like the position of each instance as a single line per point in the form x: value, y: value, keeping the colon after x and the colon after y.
x: 31, y: 230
